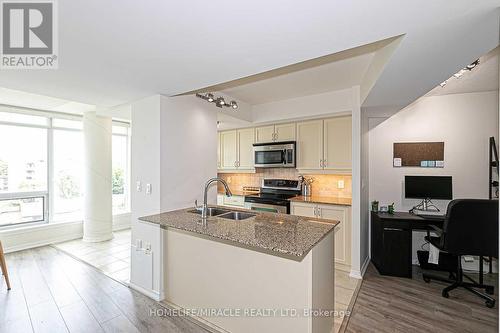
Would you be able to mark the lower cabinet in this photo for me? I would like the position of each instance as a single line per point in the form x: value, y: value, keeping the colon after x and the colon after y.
x: 342, y: 231
x: 232, y: 201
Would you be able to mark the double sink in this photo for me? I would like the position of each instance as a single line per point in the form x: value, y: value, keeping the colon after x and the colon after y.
x: 225, y: 213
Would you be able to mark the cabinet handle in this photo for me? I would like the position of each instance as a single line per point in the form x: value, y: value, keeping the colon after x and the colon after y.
x: 324, y: 163
x: 393, y: 229
x: 238, y: 164
x: 319, y: 212
x: 235, y: 165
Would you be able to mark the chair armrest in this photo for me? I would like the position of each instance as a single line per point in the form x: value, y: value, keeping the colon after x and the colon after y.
x: 437, y: 230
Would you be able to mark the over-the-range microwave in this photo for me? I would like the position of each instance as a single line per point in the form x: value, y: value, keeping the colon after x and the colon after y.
x: 274, y: 154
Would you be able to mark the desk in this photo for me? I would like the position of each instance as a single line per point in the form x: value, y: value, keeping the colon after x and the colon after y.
x: 391, y: 240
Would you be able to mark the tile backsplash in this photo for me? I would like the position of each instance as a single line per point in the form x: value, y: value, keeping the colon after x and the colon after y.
x: 324, y: 185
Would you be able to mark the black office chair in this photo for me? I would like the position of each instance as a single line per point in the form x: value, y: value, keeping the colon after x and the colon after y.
x: 470, y: 228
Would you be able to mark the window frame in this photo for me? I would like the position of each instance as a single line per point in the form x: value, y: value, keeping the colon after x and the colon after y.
x: 126, y: 186
x: 48, y: 194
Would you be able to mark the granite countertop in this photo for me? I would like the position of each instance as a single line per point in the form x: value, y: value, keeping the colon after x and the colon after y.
x: 278, y: 234
x: 323, y: 200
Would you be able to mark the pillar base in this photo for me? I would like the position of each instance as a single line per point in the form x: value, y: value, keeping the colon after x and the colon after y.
x: 96, y: 239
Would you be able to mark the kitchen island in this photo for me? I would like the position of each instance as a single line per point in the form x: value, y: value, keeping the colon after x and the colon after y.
x: 265, y: 273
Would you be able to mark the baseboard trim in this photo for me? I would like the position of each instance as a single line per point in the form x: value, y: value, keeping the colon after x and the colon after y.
x: 195, y: 319
x: 359, y: 274
x: 44, y: 242
x: 157, y: 296
x: 24, y: 238
x: 343, y: 267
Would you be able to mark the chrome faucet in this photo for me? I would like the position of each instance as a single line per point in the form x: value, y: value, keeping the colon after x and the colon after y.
x: 204, y: 208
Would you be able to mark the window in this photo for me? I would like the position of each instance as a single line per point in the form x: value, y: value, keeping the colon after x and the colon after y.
x: 41, y: 168
x: 119, y: 173
x: 67, y: 175
x: 23, y: 174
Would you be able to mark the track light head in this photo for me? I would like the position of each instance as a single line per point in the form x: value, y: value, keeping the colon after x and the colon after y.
x: 219, y: 101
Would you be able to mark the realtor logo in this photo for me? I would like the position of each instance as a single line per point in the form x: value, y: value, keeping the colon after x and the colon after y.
x: 29, y: 35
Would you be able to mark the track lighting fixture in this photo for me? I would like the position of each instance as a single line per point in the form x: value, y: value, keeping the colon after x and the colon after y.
x: 219, y: 101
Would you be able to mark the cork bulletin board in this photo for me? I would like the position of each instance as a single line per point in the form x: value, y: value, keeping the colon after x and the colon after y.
x: 418, y: 154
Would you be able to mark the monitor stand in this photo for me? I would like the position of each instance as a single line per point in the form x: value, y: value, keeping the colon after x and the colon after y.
x: 426, y: 205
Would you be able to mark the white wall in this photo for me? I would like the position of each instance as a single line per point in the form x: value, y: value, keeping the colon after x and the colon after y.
x: 145, y: 168
x: 356, y: 257
x: 188, y: 151
x: 463, y: 121
x: 174, y: 148
x: 318, y: 105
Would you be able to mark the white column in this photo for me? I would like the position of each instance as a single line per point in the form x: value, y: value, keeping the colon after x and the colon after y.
x: 97, y: 209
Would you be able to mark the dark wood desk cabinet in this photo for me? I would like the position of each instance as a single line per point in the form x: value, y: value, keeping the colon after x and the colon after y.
x: 391, y: 241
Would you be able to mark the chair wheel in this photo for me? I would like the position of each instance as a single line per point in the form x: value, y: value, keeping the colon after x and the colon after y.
x: 445, y: 294
x: 490, y: 290
x: 490, y: 304
x: 426, y: 279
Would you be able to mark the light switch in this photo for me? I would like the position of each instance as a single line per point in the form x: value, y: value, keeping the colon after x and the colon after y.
x: 148, y: 188
x: 138, y: 244
x: 138, y: 186
x: 340, y: 184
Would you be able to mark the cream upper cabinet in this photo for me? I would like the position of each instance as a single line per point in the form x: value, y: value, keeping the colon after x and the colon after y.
x: 228, y: 150
x: 245, y: 148
x: 236, y: 150
x: 284, y: 132
x: 310, y: 145
x: 337, y: 143
x: 264, y: 134
x: 274, y: 133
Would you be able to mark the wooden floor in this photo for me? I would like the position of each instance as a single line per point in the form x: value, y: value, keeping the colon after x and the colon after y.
x: 52, y: 292
x: 388, y: 304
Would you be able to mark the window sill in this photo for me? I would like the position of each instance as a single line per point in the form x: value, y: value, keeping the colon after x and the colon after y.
x: 35, y: 226
x: 49, y: 225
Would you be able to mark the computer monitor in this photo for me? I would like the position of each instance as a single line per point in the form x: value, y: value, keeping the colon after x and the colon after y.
x: 428, y: 187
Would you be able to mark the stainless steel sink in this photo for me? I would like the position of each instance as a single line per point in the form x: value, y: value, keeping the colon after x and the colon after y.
x: 236, y: 216
x: 211, y: 211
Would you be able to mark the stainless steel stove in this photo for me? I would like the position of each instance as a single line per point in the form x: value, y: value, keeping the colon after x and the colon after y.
x: 274, y: 196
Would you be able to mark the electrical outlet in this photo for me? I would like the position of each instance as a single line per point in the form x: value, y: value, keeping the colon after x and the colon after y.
x: 148, y: 247
x: 148, y: 188
x: 340, y: 184
x: 138, y: 186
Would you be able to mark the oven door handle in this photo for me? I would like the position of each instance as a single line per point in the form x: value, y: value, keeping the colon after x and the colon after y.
x: 266, y: 208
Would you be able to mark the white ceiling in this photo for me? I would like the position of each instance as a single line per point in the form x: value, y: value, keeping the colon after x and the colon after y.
x: 113, y: 54
x: 483, y: 77
x: 333, y: 76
